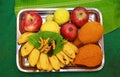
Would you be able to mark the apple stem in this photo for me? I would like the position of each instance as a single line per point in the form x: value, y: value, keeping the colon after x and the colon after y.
x: 31, y: 20
x: 81, y: 13
x: 70, y: 28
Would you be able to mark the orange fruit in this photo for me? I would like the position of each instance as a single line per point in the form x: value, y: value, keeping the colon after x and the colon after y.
x: 91, y: 32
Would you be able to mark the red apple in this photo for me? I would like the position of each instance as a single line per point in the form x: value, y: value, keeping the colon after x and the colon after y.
x: 69, y: 31
x: 21, y: 28
x: 31, y: 21
x: 79, y: 16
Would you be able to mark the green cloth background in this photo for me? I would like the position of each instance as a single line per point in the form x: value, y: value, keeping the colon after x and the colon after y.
x: 111, y: 16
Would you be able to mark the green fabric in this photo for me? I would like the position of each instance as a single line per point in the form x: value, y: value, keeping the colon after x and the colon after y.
x: 8, y: 66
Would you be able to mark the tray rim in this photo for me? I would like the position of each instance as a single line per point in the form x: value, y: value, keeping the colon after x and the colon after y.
x: 61, y: 70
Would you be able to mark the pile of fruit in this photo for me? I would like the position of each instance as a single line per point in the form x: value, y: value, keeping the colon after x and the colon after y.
x: 65, y: 38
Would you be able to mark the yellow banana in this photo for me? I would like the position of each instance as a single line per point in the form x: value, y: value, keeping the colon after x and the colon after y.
x: 50, y: 68
x: 64, y: 59
x: 26, y: 49
x: 62, y: 65
x: 54, y: 62
x: 44, y: 62
x: 71, y: 60
x: 38, y: 63
x: 72, y: 46
x: 33, y: 57
x: 24, y: 37
x: 68, y: 50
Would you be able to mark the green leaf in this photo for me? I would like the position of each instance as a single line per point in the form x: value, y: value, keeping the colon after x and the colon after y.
x: 33, y: 39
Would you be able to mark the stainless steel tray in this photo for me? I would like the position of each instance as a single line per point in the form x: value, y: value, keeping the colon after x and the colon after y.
x: 22, y: 63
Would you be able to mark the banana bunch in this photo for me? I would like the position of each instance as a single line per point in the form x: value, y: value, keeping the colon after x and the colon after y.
x: 39, y: 57
x: 23, y: 38
x: 67, y: 55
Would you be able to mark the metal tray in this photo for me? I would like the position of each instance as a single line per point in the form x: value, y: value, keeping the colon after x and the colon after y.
x: 22, y: 63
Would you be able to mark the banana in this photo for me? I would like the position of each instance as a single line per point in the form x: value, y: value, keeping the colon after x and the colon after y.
x: 72, y: 46
x: 38, y: 63
x: 68, y: 50
x: 64, y: 59
x: 44, y: 62
x: 62, y: 65
x: 24, y: 37
x: 33, y: 57
x: 71, y: 60
x: 54, y: 62
x: 26, y: 49
x: 50, y: 68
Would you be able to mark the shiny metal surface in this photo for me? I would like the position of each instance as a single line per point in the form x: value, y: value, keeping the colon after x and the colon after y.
x: 22, y: 63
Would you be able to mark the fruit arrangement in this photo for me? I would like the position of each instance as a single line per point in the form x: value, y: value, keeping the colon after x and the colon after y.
x: 53, y: 52
x: 65, y: 38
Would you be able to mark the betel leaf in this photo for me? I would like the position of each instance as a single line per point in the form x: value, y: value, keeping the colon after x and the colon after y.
x: 33, y: 39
